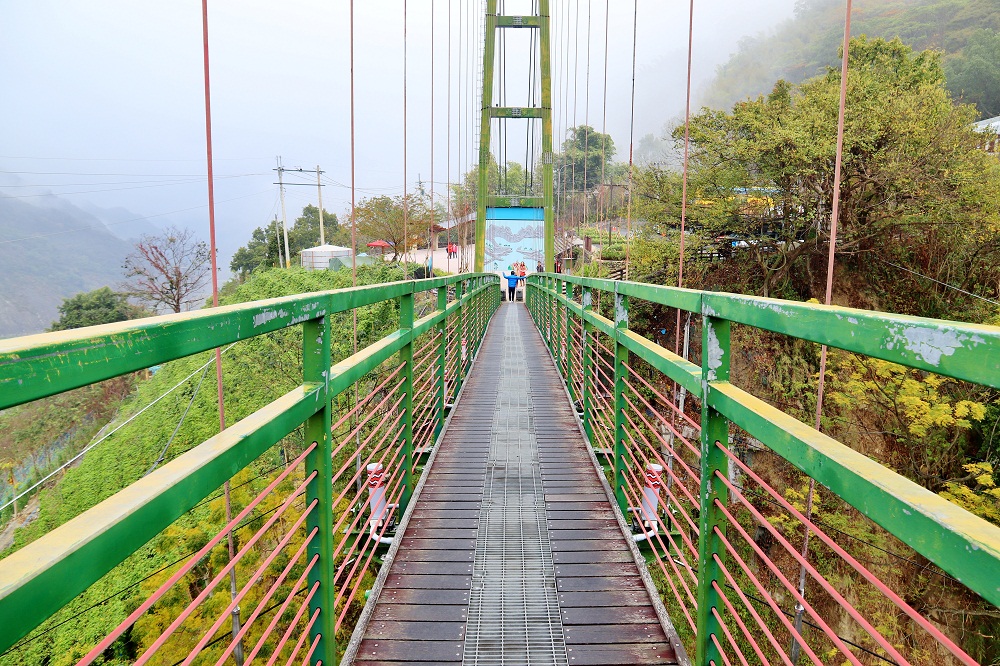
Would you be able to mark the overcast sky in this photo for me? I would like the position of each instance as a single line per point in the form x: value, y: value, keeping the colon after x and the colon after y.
x: 102, y: 101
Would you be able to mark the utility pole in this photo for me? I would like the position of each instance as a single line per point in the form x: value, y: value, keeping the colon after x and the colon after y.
x: 319, y: 191
x: 277, y: 235
x: 284, y: 218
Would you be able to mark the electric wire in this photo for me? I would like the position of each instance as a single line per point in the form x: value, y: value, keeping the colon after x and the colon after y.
x: 116, y: 429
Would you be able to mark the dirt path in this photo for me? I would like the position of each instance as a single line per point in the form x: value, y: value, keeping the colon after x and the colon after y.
x: 24, y: 517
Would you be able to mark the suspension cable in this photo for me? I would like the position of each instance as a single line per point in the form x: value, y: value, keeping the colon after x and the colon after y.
x: 430, y: 228
x: 684, y: 171
x: 834, y: 218
x: 448, y: 146
x: 406, y: 186
x: 586, y: 123
x: 631, y: 135
x: 604, y: 130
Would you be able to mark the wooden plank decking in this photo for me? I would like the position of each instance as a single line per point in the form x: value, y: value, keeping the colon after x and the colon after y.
x: 512, y: 554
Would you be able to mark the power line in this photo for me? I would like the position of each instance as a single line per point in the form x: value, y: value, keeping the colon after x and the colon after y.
x: 943, y: 284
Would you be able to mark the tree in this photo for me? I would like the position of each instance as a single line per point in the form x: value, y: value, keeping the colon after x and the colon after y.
x: 582, y: 166
x: 584, y: 154
x: 912, y: 176
x: 384, y: 218
x: 266, y: 243
x: 100, y: 306
x: 168, y: 270
x: 974, y: 75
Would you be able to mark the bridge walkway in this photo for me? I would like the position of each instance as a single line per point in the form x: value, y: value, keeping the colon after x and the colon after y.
x: 513, y: 553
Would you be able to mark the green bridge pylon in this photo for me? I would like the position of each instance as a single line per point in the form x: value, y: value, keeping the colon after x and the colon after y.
x: 528, y: 207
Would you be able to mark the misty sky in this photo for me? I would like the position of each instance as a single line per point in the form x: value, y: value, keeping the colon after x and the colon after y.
x: 103, y: 100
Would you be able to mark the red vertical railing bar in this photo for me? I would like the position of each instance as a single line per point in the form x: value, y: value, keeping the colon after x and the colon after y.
x: 883, y: 589
x: 190, y: 564
x: 269, y: 594
x: 281, y: 612
x: 246, y: 588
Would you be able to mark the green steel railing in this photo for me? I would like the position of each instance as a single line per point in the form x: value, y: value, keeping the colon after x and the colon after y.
x: 960, y: 543
x: 39, y: 579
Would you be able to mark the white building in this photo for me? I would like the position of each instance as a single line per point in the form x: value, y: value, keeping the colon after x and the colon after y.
x: 318, y: 258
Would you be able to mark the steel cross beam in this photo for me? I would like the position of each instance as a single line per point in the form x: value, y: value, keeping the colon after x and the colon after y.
x: 489, y: 112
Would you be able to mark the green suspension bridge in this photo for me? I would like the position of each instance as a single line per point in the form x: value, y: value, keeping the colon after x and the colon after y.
x: 510, y: 483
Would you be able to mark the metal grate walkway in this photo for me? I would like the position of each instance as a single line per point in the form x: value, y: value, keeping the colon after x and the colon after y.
x: 512, y: 554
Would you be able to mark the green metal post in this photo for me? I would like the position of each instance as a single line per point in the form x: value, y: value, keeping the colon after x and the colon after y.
x: 489, y: 54
x: 568, y: 323
x: 714, y: 430
x: 547, y: 155
x: 621, y: 358
x: 587, y: 298
x: 442, y: 305
x: 406, y: 438
x: 489, y: 112
x: 460, y: 333
x: 316, y: 370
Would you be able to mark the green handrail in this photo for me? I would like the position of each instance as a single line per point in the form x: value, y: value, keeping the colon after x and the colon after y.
x: 959, y: 542
x: 39, y: 579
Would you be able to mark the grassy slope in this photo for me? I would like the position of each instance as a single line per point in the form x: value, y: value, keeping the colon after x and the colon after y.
x: 256, y: 372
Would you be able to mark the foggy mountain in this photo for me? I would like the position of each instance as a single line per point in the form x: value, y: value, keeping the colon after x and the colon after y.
x: 805, y: 44
x: 51, y: 251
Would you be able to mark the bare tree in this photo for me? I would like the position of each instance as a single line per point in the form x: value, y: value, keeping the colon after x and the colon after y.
x: 168, y: 270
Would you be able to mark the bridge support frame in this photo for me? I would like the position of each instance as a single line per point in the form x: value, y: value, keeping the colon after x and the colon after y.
x: 406, y: 438
x: 543, y: 112
x: 714, y: 431
x: 621, y: 358
x: 316, y: 369
x: 587, y: 300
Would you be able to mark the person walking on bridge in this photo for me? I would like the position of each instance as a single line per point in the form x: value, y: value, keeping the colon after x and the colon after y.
x: 512, y: 279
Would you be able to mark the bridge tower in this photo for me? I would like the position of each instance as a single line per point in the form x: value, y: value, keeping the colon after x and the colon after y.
x: 519, y: 214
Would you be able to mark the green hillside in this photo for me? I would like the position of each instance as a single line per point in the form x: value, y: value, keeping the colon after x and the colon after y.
x: 967, y: 31
x: 256, y: 372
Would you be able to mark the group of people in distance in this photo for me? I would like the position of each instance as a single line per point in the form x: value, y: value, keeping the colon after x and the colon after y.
x: 452, y: 250
x: 515, y: 273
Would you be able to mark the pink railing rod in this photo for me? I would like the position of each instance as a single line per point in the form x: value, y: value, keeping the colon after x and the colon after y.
x: 191, y: 563
x: 670, y: 426
x: 639, y: 482
x: 350, y: 436
x: 359, y: 499
x: 225, y: 615
x: 371, y: 394
x: 281, y: 611
x: 158, y: 643
x: 270, y: 593
x: 302, y: 638
x: 394, y: 494
x: 857, y: 566
x: 729, y: 634
x: 692, y: 601
x: 731, y: 550
x: 291, y: 627
x: 670, y: 403
x: 756, y: 616
x: 739, y: 623
x: 718, y: 646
